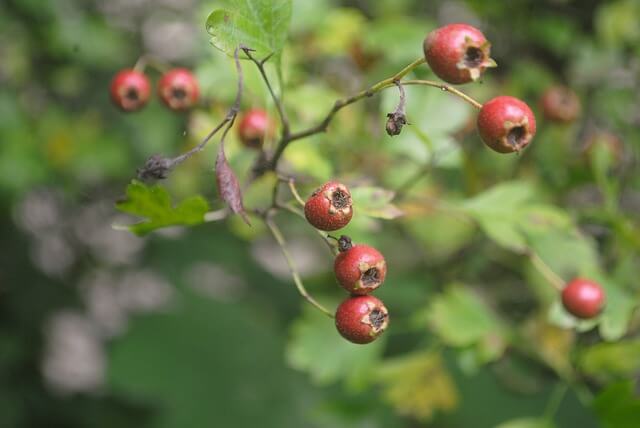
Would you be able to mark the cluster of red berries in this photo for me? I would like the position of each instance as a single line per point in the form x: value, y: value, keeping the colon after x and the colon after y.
x: 178, y: 89
x: 460, y: 53
x: 359, y: 268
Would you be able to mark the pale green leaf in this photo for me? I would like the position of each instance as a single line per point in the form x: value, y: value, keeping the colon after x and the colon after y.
x: 154, y: 204
x: 375, y: 202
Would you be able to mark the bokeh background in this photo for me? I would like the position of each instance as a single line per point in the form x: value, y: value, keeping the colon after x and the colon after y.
x: 202, y: 327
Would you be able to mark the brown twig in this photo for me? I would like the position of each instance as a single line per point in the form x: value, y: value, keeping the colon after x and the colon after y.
x: 275, y: 231
x: 279, y: 106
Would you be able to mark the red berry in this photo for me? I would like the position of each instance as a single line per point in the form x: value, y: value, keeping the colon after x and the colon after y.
x: 361, y: 319
x: 560, y: 104
x: 178, y: 89
x: 457, y: 53
x: 253, y: 128
x: 329, y: 207
x: 506, y: 124
x: 583, y: 298
x: 359, y: 269
x: 130, y: 90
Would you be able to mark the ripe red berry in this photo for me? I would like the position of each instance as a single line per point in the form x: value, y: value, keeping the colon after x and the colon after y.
x: 457, y: 53
x: 178, y: 89
x: 361, y: 319
x: 583, y: 298
x: 329, y: 207
x: 253, y: 128
x: 130, y: 90
x: 506, y: 124
x: 359, y: 269
x: 560, y: 104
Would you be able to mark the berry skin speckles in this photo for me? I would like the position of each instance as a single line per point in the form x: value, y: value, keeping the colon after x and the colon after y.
x: 329, y: 207
x: 506, y: 124
x: 130, y: 90
x: 361, y: 319
x: 458, y: 53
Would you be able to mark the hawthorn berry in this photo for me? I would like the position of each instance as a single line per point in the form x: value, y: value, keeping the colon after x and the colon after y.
x: 506, y: 124
x: 560, y: 104
x: 359, y: 269
x: 130, y: 90
x: 583, y: 298
x: 329, y: 207
x: 457, y: 53
x: 178, y: 89
x: 361, y: 319
x: 253, y: 128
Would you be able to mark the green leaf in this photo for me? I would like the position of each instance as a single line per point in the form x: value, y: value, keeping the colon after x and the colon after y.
x: 375, y: 202
x: 526, y: 423
x: 461, y: 319
x: 610, y: 361
x: 617, y: 312
x: 618, y: 406
x: 317, y: 348
x: 417, y: 385
x: 154, y: 203
x: 261, y: 25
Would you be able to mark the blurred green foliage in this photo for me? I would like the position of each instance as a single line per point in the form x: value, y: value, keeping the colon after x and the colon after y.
x: 202, y: 326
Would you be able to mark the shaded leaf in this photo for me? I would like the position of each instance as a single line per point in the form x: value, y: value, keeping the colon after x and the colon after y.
x: 154, y: 203
x: 461, y: 319
x: 375, y: 202
x: 552, y: 343
x: 417, y: 385
x: 316, y: 347
x: 228, y: 186
x: 527, y: 423
x: 261, y: 25
x: 618, y: 406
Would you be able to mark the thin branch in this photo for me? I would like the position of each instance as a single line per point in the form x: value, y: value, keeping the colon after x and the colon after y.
x: 324, y: 236
x: 548, y: 273
x: 340, y: 104
x: 279, y: 106
x: 445, y: 88
x: 292, y: 267
x: 158, y: 167
x: 294, y: 191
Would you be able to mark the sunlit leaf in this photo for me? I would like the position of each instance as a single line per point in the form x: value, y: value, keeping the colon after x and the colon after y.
x: 375, y: 202
x: 261, y: 25
x: 417, y: 385
x: 608, y: 361
x: 154, y: 204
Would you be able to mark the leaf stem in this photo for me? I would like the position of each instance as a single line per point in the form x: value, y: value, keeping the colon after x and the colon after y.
x: 279, y: 106
x: 548, y: 273
x: 445, y: 88
x: 275, y: 231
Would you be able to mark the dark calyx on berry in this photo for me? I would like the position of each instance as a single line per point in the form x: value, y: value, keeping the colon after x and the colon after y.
x: 377, y: 318
x: 370, y: 277
x: 132, y: 94
x: 517, y: 136
x: 473, y: 57
x: 340, y: 199
x: 344, y: 243
x: 179, y: 93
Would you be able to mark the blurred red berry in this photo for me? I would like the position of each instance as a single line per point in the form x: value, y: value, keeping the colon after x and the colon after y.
x: 253, y: 128
x: 583, y: 298
x: 130, y: 90
x: 178, y: 89
x: 560, y: 104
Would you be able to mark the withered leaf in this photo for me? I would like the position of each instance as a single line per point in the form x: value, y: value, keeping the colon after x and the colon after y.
x: 228, y: 186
